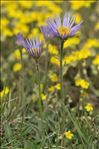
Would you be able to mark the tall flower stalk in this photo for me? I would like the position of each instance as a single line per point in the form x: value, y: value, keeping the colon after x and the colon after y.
x: 63, y: 30
x: 61, y: 69
x: 34, y: 48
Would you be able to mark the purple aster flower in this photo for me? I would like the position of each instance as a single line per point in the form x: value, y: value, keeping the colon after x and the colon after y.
x: 62, y: 29
x: 33, y: 47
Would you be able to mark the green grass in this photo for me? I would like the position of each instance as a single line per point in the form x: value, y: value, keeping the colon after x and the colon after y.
x: 22, y: 128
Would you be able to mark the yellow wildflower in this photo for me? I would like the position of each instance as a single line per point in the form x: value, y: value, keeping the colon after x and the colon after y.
x: 17, y: 67
x: 54, y: 77
x: 25, y: 5
x: 4, y: 22
x: 56, y: 9
x: 71, y: 41
x: 50, y: 5
x: 34, y: 32
x: 88, y: 107
x: 55, y: 61
x: 13, y: 13
x: 23, y: 50
x: 68, y: 134
x: 75, y: 5
x: 20, y: 27
x: 17, y: 54
x: 6, y: 32
x: 43, y: 97
x: 84, y: 53
x: 52, y: 49
x: 78, y: 17
x: 58, y: 86
x: 69, y: 59
x: 43, y: 4
x: 5, y: 91
x: 51, y: 89
x: 93, y: 42
x: 77, y: 55
x: 96, y: 60
x: 82, y: 83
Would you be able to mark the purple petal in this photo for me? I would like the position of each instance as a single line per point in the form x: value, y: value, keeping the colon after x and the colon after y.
x: 57, y: 20
x: 52, y: 30
x: 44, y: 31
x: 29, y: 46
x: 75, y: 29
x: 66, y: 20
x: 33, y: 43
x: 28, y: 43
x: 51, y: 21
x: 30, y: 49
x: 71, y: 22
x: 37, y: 42
x: 40, y: 47
x: 20, y: 40
x: 51, y: 25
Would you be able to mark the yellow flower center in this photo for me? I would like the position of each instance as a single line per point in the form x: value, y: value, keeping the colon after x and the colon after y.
x: 63, y: 30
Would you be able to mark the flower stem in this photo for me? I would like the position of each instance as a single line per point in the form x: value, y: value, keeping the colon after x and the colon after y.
x: 61, y: 69
x: 39, y: 100
x: 22, y: 78
x: 22, y: 96
x: 46, y: 66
